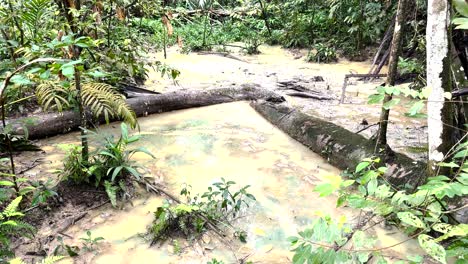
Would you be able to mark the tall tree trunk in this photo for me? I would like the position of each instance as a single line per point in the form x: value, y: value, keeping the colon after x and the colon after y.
x: 395, y: 51
x: 439, y: 79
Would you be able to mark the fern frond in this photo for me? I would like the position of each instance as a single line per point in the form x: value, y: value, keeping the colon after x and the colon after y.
x: 103, y: 99
x: 50, y: 95
x: 11, y: 209
x: 33, y: 12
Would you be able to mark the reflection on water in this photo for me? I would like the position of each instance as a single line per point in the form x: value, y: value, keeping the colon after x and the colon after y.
x: 198, y: 147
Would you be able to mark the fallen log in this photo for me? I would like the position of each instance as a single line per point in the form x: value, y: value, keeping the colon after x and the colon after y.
x: 51, y: 124
x: 342, y: 148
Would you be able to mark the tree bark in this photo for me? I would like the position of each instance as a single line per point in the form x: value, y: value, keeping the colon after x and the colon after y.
x: 439, y: 79
x: 395, y: 51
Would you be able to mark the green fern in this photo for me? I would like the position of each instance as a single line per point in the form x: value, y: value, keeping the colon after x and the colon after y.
x: 102, y: 99
x: 33, y: 12
x: 10, y: 226
x: 51, y: 96
x: 11, y: 209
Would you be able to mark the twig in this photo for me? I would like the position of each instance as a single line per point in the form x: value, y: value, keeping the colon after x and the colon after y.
x: 367, y: 127
x: 97, y: 206
x: 30, y: 167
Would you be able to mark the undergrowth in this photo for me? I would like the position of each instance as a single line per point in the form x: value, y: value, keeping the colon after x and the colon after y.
x: 110, y: 166
x: 422, y: 213
x: 213, y: 210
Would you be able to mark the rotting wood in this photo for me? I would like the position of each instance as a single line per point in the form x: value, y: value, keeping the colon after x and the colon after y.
x: 342, y: 148
x: 51, y: 124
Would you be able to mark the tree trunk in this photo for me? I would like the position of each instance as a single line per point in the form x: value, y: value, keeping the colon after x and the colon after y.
x: 341, y: 147
x: 83, y: 117
x: 439, y: 78
x: 395, y: 51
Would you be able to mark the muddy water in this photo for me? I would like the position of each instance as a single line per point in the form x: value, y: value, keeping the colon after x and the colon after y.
x: 198, y: 147
x: 273, y: 64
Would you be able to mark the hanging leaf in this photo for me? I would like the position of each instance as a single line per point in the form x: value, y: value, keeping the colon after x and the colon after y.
x: 461, y: 6
x: 432, y: 248
x: 411, y: 219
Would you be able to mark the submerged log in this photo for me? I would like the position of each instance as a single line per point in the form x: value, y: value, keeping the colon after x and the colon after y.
x: 51, y: 124
x: 342, y: 148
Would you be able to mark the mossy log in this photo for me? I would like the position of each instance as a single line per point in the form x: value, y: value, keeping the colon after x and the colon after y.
x: 342, y: 148
x: 51, y: 124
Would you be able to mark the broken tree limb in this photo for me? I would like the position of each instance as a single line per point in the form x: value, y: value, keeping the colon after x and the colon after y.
x: 342, y: 148
x: 309, y: 95
x: 387, y: 39
x: 51, y: 124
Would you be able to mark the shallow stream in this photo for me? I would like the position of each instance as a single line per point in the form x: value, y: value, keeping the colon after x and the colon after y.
x: 197, y: 147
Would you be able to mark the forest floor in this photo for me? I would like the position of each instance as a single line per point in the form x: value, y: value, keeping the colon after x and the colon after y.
x: 275, y: 67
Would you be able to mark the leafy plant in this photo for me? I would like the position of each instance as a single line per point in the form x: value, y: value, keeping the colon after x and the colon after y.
x: 212, y: 210
x: 322, y: 53
x: 109, y: 166
x: 89, y: 242
x: 12, y: 226
x: 421, y: 211
x: 215, y: 261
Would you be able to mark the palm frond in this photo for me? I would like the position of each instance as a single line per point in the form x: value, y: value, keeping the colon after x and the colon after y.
x: 50, y: 96
x: 104, y: 99
x: 100, y: 98
x: 33, y: 12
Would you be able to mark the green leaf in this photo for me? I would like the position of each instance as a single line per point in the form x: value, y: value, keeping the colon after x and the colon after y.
x: 461, y: 6
x: 432, y: 248
x: 6, y: 183
x: 361, y: 166
x: 20, y: 80
x: 68, y: 72
x: 460, y: 230
x: 372, y: 186
x: 375, y: 98
x: 461, y: 154
x: 388, y: 105
x: 416, y: 108
x: 411, y: 219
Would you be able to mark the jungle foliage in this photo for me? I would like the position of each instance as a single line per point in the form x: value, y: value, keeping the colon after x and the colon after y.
x: 110, y: 166
x: 213, y: 210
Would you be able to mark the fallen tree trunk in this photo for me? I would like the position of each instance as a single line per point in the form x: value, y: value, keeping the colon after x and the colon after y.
x: 51, y: 124
x: 342, y: 148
